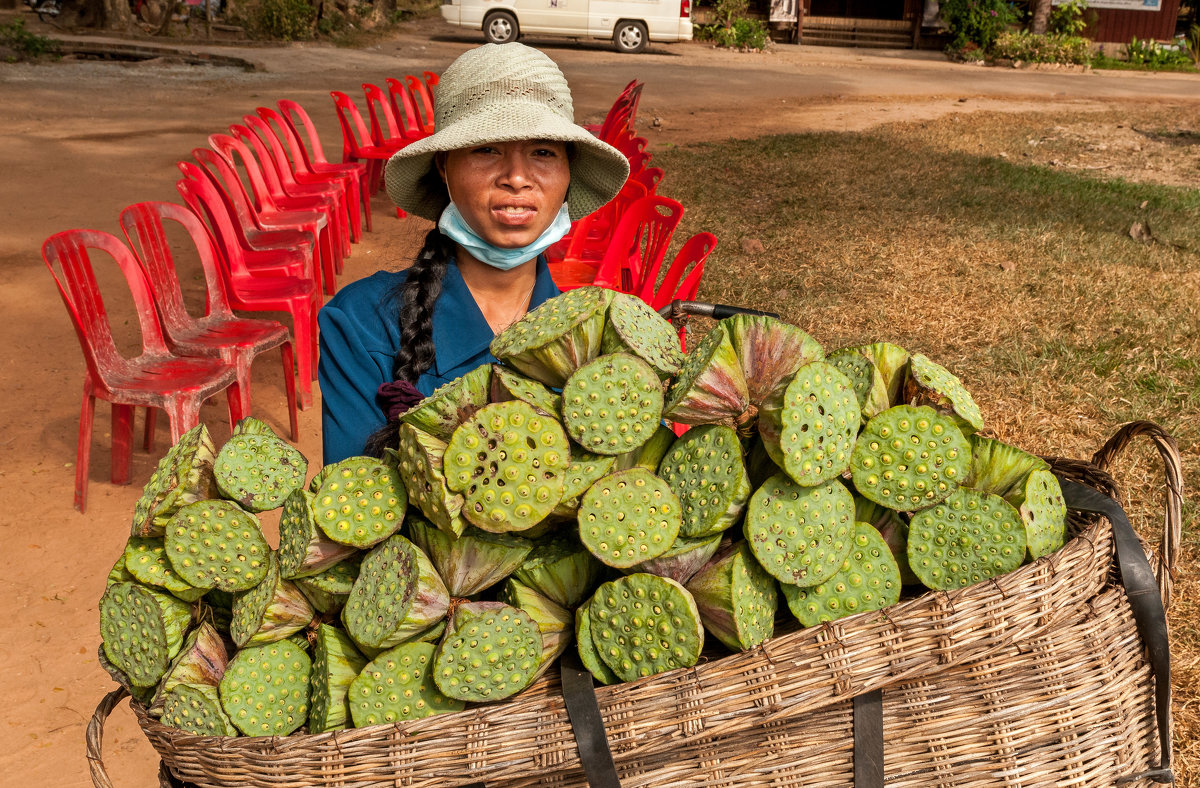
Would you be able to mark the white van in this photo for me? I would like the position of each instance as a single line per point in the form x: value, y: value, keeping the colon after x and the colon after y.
x: 631, y: 24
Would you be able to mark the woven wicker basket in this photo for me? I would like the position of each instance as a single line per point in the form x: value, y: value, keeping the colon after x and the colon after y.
x: 1035, y: 678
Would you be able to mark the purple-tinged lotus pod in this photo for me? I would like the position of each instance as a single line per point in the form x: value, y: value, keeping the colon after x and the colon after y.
x: 562, y: 569
x: 490, y: 651
x: 770, y: 352
x: 558, y: 337
x: 650, y: 454
x: 642, y: 625
x: 869, y: 386
x: 584, y: 471
x: 705, y: 470
x: 634, y: 328
x: 328, y: 590
x: 929, y: 383
x: 257, y: 468
x: 508, y: 385
x: 271, y: 611
x: 304, y: 549
x: 383, y: 592
x: 146, y: 560
x: 420, y: 460
x: 909, y: 458
x: 142, y: 630
x: 968, y: 537
x: 613, y: 404
x: 587, y: 649
x: 336, y: 663
x: 891, y: 361
x: 396, y: 686
x: 360, y: 501
x: 196, y: 709
x: 810, y: 431
x: 892, y: 527
x: 736, y: 598
x: 869, y: 579
x: 711, y: 387
x: 201, y: 660
x: 684, y: 559
x: 451, y: 404
x: 555, y: 623
x: 472, y: 562
x: 184, y: 475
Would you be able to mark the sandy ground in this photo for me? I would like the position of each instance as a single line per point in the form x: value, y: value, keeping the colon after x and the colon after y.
x: 81, y: 140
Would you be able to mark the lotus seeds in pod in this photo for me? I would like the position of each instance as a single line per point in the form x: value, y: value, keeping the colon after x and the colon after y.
x: 969, y: 537
x: 929, y: 383
x: 184, y: 475
x: 508, y: 385
x: 258, y: 469
x: 635, y: 328
x: 217, y: 544
x: 704, y: 469
x: 643, y: 625
x: 197, y: 709
x: 360, y: 501
x: 146, y: 561
x: 265, y: 689
x: 629, y: 517
x: 612, y: 405
x: 800, y: 535
x: 817, y: 424
x: 869, y: 579
x: 490, y: 651
x: 587, y: 648
x: 558, y: 337
x: 451, y: 404
x: 397, y: 686
x: 142, y: 630
x: 909, y: 458
x: 421, y: 465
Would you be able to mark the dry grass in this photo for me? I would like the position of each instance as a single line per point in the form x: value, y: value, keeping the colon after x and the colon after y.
x: 1011, y: 263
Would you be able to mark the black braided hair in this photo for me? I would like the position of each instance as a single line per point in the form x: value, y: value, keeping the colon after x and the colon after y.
x: 415, y: 298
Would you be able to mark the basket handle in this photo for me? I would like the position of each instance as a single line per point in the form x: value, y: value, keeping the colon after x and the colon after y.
x: 1168, y: 553
x: 95, y: 737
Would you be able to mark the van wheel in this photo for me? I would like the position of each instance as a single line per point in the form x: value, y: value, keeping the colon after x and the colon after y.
x: 630, y: 36
x: 500, y: 27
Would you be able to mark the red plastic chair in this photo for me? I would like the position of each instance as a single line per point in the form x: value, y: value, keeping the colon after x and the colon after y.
x: 589, y: 239
x: 297, y: 118
x: 219, y: 333
x: 253, y: 290
x: 424, y: 99
x: 387, y: 131
x: 155, y: 379
x: 679, y: 283
x: 431, y: 79
x: 639, y: 243
x: 619, y: 109
x: 649, y: 177
x: 621, y: 117
x: 356, y: 140
x: 404, y: 108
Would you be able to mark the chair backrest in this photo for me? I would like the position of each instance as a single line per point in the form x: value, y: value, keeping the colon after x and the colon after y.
x: 217, y: 170
x: 355, y: 134
x: 649, y: 177
x: 431, y: 79
x: 639, y: 243
x: 385, y: 128
x: 597, y: 227
x: 404, y: 108
x: 267, y: 145
x: 621, y: 115
x: 675, y: 285
x: 247, y: 149
x: 208, y: 202
x: 67, y: 255
x: 424, y: 100
x: 293, y: 114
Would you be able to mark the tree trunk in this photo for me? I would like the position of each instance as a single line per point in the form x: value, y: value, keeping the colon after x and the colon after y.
x: 382, y: 12
x: 1041, y: 17
x: 112, y: 14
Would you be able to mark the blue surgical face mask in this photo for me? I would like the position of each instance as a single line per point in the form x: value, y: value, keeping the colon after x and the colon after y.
x: 456, y: 228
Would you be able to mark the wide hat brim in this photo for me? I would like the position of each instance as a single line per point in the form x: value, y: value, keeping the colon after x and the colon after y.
x: 598, y: 170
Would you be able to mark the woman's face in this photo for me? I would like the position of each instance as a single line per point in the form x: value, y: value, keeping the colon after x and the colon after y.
x: 509, y: 192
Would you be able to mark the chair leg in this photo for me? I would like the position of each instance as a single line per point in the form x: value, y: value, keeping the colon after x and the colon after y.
x: 289, y: 385
x: 151, y: 425
x: 183, y: 413
x: 233, y: 397
x: 304, y: 334
x: 364, y: 188
x: 122, y: 442
x: 329, y: 260
x: 83, y: 450
x: 354, y: 209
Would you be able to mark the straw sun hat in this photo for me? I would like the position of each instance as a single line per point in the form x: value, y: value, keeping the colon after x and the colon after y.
x: 503, y: 93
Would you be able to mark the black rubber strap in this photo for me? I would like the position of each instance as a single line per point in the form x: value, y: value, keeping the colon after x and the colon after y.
x: 579, y: 694
x: 1142, y: 590
x: 868, y: 740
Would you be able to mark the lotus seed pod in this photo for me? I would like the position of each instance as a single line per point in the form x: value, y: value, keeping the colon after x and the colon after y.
x: 183, y: 476
x: 557, y: 338
x: 929, y: 383
x: 587, y: 649
x: 612, y: 405
x: 634, y: 328
x: 258, y: 469
x: 683, y: 559
x: 451, y: 404
x: 201, y: 661
x: 336, y: 663
x: 642, y: 625
x: 433, y: 634
x: 146, y: 561
x: 474, y: 561
x: 770, y: 351
x: 800, y: 535
x: 381, y: 596
x: 629, y: 517
x: 196, y: 709
x: 710, y: 387
x: 142, y: 630
x: 869, y: 386
x: 508, y: 385
x: 327, y: 591
x: 304, y: 549
x: 556, y: 624
x: 271, y: 611
x: 869, y: 579
x: 966, y: 538
x: 891, y: 362
x: 909, y: 457
x: 737, y: 600
x: 217, y: 544
x: 650, y: 454
x: 420, y: 460
x: 561, y: 569
x: 430, y: 604
x: 813, y: 429
x: 397, y: 686
x: 490, y: 651
x: 1000, y: 469
x: 894, y: 530
x: 119, y: 573
x: 508, y: 461
x: 584, y: 471
x: 360, y: 502
x: 142, y: 695
x: 265, y: 689
x: 1044, y: 512
x: 704, y: 469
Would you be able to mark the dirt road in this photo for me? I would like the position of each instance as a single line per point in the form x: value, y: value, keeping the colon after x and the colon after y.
x: 81, y: 140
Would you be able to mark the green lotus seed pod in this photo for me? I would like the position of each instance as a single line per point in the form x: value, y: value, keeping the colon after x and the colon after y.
x: 642, y: 625
x: 894, y: 530
x: 612, y: 405
x: 769, y: 351
x: 360, y: 501
x: 736, y: 598
x: 328, y: 590
x: 183, y: 476
x: 201, y: 661
x: 508, y: 461
x: 265, y: 689
x: 271, y: 611
x: 684, y: 558
x: 508, y: 385
x: 490, y: 651
x: 556, y: 338
x: 555, y: 623
x: 561, y: 569
x: 197, y: 709
x: 217, y: 544
x: 869, y: 386
x: 634, y: 328
x: 142, y: 630
x: 704, y: 469
x: 420, y: 460
x: 1044, y: 513
x: 146, y: 561
x: 474, y: 561
x: 909, y: 457
x: 384, y: 591
x: 584, y: 471
x: 587, y: 649
x: 1000, y: 469
x: 119, y: 573
x: 336, y: 663
x: 629, y: 517
x: 929, y: 383
x: 869, y: 579
x: 304, y: 549
x: 966, y: 538
x: 891, y: 362
x: 711, y: 387
x: 451, y: 404
x: 813, y: 429
x: 800, y: 535
x: 258, y: 469
x: 397, y: 686
x: 142, y: 695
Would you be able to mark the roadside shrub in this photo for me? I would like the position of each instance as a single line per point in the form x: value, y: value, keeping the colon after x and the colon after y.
x: 280, y: 20
x: 1069, y: 18
x: 732, y: 28
x: 1150, y: 53
x: 23, y: 44
x: 1050, y: 48
x: 978, y: 22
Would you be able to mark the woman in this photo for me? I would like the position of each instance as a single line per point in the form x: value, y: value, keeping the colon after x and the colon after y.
x: 504, y: 176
